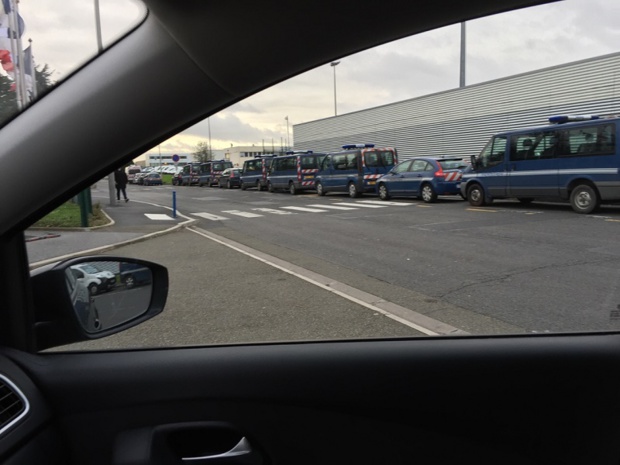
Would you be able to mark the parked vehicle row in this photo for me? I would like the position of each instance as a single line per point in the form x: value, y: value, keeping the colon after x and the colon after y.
x: 574, y: 158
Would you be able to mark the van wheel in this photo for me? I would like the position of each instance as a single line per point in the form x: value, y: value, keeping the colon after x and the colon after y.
x: 383, y: 192
x: 93, y: 289
x: 270, y: 187
x: 584, y: 199
x: 353, y: 192
x: 259, y: 186
x: 428, y: 193
x: 292, y: 189
x: 475, y: 195
x: 243, y: 187
x: 319, y: 189
x: 228, y: 185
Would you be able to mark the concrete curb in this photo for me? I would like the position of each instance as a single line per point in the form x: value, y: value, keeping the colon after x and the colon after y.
x: 189, y: 221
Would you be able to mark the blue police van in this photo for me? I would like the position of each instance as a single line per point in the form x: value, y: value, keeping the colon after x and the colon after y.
x: 355, y: 169
x: 190, y: 174
x: 574, y: 158
x: 294, y: 171
x: 254, y: 172
x: 210, y: 170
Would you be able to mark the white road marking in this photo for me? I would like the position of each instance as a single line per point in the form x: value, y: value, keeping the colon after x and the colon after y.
x: 304, y: 209
x: 413, y: 319
x: 209, y: 216
x: 383, y: 202
x: 274, y: 211
x: 333, y: 207
x: 243, y: 214
x: 363, y: 205
x: 158, y: 216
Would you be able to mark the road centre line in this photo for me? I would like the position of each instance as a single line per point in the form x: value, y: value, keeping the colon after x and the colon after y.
x: 408, y: 317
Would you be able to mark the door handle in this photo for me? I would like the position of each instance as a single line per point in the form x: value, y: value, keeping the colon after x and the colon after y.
x: 242, y: 448
x: 195, y: 443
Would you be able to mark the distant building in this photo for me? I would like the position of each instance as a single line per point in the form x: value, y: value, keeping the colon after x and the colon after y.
x: 155, y: 159
x: 459, y: 122
x: 240, y: 153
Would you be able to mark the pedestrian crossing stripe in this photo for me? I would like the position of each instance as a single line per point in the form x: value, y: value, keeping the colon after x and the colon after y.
x: 274, y: 211
x: 334, y: 207
x: 304, y: 209
x: 158, y: 217
x: 383, y: 202
x: 243, y: 214
x: 209, y: 216
x: 359, y: 204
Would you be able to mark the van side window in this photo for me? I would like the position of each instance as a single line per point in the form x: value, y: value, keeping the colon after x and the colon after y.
x: 592, y: 140
x: 522, y: 147
x: 340, y: 162
x: 493, y: 153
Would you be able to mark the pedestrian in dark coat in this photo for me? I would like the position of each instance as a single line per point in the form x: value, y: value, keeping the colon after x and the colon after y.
x: 120, y: 178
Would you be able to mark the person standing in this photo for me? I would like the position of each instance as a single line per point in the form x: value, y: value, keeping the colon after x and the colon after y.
x: 120, y: 178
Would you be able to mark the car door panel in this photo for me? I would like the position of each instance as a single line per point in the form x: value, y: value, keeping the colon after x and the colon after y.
x: 347, y: 402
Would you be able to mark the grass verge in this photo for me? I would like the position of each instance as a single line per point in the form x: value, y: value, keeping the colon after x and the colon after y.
x: 68, y: 216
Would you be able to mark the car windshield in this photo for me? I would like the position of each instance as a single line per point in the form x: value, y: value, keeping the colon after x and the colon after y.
x: 335, y: 253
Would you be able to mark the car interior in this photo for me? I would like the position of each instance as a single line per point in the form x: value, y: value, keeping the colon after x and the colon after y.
x: 514, y: 399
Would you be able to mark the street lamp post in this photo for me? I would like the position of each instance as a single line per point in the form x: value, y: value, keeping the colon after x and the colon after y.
x: 333, y: 64
x: 288, y: 144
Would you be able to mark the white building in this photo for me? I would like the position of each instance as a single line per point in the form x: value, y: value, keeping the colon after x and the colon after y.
x: 240, y: 153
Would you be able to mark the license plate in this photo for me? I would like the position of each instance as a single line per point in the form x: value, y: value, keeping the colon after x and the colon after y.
x: 372, y: 183
x: 309, y: 177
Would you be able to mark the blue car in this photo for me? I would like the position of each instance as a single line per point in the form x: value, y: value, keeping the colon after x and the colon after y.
x: 423, y: 177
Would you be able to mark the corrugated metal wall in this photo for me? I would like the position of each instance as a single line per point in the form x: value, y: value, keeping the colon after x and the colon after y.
x: 460, y: 121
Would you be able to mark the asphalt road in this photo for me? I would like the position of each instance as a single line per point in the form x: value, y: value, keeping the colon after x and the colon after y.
x: 507, y: 268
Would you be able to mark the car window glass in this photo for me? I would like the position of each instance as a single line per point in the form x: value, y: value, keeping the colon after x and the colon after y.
x: 52, y: 47
x: 505, y: 251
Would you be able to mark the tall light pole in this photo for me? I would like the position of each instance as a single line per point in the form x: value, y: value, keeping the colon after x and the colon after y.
x: 288, y: 144
x: 463, y: 55
x: 333, y: 64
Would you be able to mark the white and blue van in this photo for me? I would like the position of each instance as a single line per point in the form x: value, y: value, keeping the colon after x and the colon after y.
x: 355, y: 169
x: 574, y: 158
x: 294, y: 171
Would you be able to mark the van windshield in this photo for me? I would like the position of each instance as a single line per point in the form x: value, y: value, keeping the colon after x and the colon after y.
x: 377, y: 158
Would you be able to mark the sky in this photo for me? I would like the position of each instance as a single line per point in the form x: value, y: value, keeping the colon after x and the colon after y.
x: 63, y: 35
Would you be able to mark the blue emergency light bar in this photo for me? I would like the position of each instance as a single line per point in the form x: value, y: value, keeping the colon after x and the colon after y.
x: 559, y: 119
x: 357, y: 146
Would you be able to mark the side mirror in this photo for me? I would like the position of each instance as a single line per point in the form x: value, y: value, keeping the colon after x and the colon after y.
x: 93, y: 297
